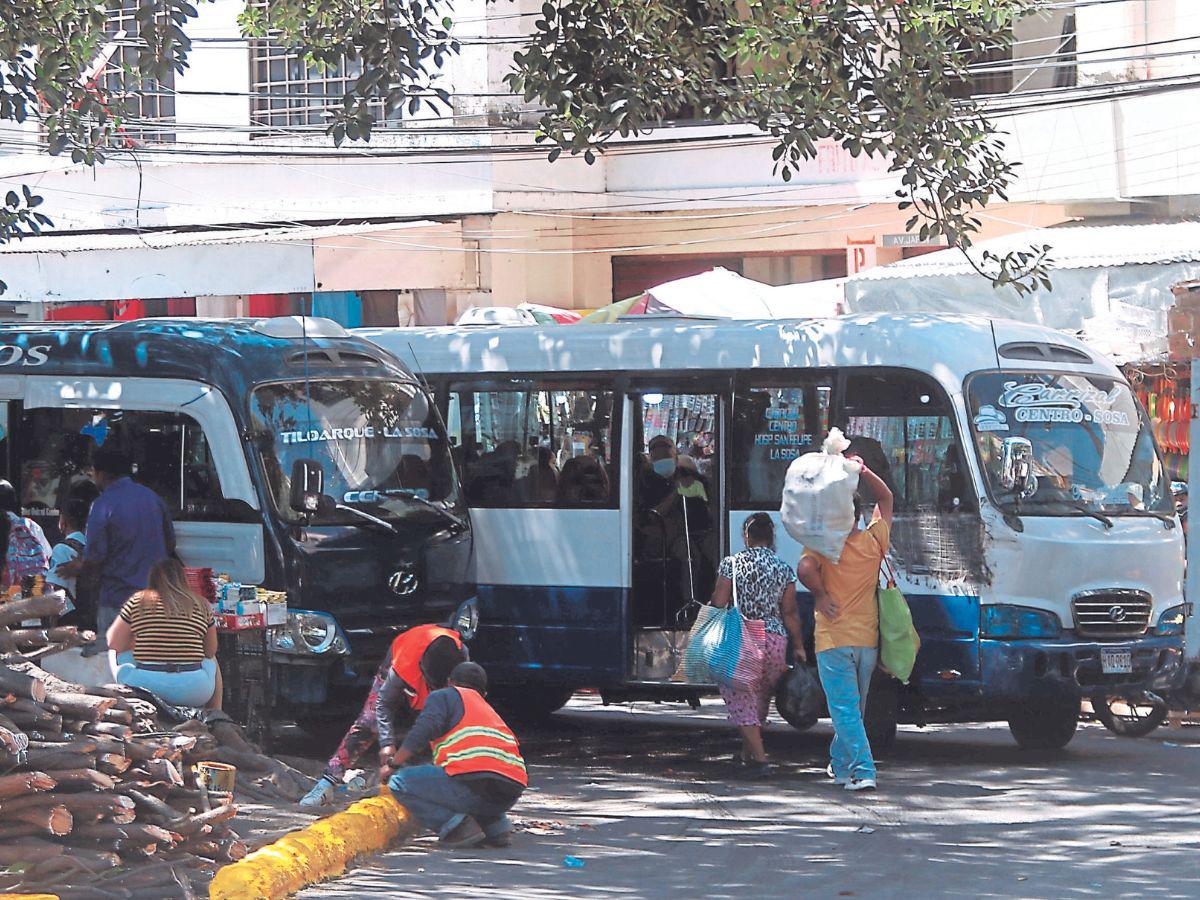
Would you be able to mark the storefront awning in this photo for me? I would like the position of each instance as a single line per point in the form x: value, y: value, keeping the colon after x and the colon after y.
x: 75, y: 267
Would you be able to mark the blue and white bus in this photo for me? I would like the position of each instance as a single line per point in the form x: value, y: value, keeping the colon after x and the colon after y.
x: 1034, y: 532
x: 217, y: 417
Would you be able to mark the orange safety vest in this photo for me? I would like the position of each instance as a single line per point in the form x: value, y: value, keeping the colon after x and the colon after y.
x: 407, y: 650
x: 480, y: 742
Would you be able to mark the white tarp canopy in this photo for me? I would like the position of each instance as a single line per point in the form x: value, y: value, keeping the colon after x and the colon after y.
x: 1111, y: 284
x: 723, y: 294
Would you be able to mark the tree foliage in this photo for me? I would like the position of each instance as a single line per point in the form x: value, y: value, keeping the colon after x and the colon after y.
x: 877, y: 76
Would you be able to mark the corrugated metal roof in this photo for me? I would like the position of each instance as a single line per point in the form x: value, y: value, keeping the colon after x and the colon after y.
x: 69, y: 242
x: 1071, y: 247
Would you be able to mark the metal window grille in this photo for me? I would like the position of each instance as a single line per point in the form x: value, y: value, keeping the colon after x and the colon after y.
x: 291, y: 91
x: 147, y: 105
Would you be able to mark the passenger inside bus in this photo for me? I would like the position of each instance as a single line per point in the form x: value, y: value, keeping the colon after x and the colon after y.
x: 676, y: 536
x: 583, y: 482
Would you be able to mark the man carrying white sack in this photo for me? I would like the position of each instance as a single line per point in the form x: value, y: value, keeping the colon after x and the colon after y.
x: 847, y: 613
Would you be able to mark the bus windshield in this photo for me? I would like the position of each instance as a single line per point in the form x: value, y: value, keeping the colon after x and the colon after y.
x: 379, y: 443
x: 1092, y: 450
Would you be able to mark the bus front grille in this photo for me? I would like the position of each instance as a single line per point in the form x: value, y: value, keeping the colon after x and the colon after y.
x: 1111, y: 614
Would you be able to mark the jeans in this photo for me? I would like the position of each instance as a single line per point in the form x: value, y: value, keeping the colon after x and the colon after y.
x: 105, y: 616
x: 440, y: 802
x: 846, y: 677
x: 176, y: 688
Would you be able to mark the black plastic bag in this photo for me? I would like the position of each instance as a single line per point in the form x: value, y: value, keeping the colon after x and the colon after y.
x: 800, y: 698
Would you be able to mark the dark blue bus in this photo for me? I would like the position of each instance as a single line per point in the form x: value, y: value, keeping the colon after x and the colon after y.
x: 221, y: 418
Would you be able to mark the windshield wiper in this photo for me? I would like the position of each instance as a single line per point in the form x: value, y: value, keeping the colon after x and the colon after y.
x: 1166, y: 518
x: 367, y: 517
x: 1087, y: 511
x: 429, y: 504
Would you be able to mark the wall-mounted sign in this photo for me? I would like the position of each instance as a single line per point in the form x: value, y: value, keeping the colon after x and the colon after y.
x: 911, y: 239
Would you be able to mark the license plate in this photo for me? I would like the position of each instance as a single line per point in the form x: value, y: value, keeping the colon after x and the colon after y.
x: 1116, y: 662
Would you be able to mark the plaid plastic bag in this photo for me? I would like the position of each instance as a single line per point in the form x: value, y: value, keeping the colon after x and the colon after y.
x: 724, y: 647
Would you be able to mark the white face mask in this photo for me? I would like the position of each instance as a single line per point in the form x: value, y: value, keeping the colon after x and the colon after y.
x: 664, y: 467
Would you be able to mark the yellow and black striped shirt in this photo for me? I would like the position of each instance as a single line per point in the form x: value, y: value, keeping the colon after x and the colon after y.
x: 161, y: 638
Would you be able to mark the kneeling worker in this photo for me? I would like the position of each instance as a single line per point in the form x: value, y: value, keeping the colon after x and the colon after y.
x: 477, y: 773
x: 420, y: 660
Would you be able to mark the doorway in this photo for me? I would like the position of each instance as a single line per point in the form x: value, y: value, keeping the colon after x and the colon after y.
x: 677, y: 510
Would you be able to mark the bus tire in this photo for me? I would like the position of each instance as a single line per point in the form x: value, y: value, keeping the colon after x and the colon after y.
x: 883, y: 712
x: 1044, y: 726
x: 529, y: 703
x: 1141, y: 719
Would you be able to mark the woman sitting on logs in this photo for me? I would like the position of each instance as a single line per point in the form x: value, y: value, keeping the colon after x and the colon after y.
x: 165, y: 641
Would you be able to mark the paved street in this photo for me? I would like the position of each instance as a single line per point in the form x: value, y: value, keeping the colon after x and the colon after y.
x: 641, y: 795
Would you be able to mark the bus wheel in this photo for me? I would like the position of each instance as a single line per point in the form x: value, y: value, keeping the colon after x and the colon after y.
x: 1044, y: 726
x: 530, y: 704
x: 883, y: 712
x: 1129, y: 718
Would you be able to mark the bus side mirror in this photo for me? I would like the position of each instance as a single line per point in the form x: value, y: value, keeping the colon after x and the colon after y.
x: 1016, y: 467
x: 308, y: 487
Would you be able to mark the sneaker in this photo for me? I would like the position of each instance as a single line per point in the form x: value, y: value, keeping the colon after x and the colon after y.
x: 860, y: 784
x: 355, y: 785
x: 501, y: 840
x: 464, y: 835
x: 320, y: 795
x: 836, y: 779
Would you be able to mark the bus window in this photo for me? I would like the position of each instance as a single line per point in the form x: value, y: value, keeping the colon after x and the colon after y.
x: 168, y: 450
x: 900, y: 424
x: 771, y: 427
x: 540, y: 447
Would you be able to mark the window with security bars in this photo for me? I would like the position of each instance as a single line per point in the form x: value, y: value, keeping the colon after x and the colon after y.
x: 289, y: 90
x: 145, y: 106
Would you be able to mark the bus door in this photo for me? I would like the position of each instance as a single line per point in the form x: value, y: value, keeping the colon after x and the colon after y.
x: 539, y: 470
x: 776, y: 417
x: 902, y: 425
x: 676, y: 509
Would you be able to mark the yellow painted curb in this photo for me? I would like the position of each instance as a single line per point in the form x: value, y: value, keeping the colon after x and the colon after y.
x: 312, y: 854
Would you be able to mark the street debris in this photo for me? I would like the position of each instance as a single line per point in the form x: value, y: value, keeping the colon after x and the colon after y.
x: 865, y: 829
x: 573, y: 862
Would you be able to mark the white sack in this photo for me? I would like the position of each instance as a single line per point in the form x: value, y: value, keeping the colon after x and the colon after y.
x: 818, y: 497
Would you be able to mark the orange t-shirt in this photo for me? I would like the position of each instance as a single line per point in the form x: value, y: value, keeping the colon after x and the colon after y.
x: 852, y: 582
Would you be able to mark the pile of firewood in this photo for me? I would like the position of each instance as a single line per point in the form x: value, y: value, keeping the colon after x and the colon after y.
x: 98, y: 797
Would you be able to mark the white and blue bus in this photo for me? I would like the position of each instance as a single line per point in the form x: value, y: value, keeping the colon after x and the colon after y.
x: 1034, y: 531
x: 218, y: 418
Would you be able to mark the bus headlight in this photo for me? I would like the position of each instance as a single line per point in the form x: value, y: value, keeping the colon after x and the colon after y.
x: 1171, y: 622
x: 308, y: 632
x: 1004, y: 621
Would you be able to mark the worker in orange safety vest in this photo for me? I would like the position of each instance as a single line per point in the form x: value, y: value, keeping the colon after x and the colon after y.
x: 477, y: 774
x: 418, y: 661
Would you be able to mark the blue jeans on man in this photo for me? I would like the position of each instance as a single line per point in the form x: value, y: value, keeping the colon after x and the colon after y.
x: 441, y: 802
x: 846, y: 677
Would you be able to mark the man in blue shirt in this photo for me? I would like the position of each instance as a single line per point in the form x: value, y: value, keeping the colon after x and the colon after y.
x: 128, y: 530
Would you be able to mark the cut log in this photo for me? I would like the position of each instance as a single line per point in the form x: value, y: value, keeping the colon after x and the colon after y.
x: 11, y: 639
x: 81, y: 706
x: 84, y: 778
x: 11, y: 831
x: 163, y: 770
x: 137, y: 832
x: 59, y: 759
x: 16, y: 611
x: 12, y: 738
x: 119, y: 716
x: 28, y: 851
x: 33, y: 709
x: 21, y: 685
x: 113, y: 763
x: 55, y: 820
x: 227, y: 850
x: 94, y: 807
x: 110, y: 729
x: 81, y: 744
x: 25, y: 783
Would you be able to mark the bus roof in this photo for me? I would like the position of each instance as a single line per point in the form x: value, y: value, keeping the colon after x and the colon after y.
x: 210, y: 350
x: 948, y: 347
